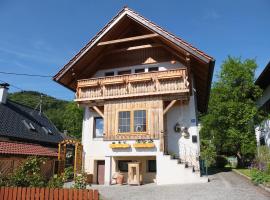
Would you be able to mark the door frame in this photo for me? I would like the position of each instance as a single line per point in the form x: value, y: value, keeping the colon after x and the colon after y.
x: 97, y: 163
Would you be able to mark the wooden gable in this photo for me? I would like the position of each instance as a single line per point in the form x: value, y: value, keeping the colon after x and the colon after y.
x: 129, y: 39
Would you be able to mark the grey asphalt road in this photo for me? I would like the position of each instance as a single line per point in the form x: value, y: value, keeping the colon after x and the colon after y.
x: 223, y: 186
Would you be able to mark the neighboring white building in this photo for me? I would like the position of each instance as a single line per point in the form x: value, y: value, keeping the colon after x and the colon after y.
x: 263, y: 131
x: 141, y: 89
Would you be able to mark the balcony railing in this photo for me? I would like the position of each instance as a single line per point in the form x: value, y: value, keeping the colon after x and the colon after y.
x: 133, y: 85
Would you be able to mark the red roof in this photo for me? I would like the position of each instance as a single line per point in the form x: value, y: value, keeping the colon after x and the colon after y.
x: 7, y: 147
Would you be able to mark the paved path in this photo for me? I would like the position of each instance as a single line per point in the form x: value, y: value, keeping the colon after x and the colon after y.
x: 223, y: 186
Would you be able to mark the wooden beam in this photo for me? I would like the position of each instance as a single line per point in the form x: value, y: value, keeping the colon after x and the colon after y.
x: 146, y: 46
x: 98, y: 111
x: 169, y: 106
x: 141, y: 37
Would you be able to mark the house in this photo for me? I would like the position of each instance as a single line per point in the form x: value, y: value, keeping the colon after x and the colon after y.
x: 263, y: 132
x: 141, y: 88
x: 25, y: 132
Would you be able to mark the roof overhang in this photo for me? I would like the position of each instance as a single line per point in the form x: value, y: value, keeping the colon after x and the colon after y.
x: 176, y: 43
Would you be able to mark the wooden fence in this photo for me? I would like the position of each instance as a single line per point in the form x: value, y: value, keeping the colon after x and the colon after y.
x: 32, y: 193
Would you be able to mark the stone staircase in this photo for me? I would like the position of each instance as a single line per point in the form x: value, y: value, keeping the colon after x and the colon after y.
x: 172, y: 170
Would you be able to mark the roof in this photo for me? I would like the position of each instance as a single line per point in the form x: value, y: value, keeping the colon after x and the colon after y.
x: 130, y: 12
x: 65, y: 75
x: 13, y: 117
x: 17, y: 148
x: 263, y: 80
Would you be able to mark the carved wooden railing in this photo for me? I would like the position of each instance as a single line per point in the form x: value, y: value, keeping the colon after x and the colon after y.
x: 133, y: 85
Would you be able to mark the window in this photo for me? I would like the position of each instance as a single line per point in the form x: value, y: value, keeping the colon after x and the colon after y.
x: 124, y: 72
x: 123, y: 165
x: 109, y: 73
x: 152, y: 166
x: 152, y: 69
x: 139, y: 121
x: 124, y: 122
x: 98, y: 127
x: 139, y: 70
x: 29, y: 125
x: 47, y: 130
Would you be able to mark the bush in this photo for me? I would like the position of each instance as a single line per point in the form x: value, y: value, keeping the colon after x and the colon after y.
x: 28, y: 174
x: 69, y: 173
x: 259, y: 177
x: 80, y: 181
x: 221, y: 161
x: 4, y: 181
x: 263, y: 158
x: 208, y: 152
x: 56, y: 181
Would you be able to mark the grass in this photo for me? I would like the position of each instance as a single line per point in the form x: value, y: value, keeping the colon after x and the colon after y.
x: 246, y: 172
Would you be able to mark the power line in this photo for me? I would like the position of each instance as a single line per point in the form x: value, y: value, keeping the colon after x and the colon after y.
x: 13, y: 85
x: 23, y: 74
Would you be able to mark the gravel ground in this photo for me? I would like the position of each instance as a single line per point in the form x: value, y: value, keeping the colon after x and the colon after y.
x: 223, y: 186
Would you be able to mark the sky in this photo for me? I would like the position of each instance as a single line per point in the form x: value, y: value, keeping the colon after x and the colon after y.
x: 40, y: 37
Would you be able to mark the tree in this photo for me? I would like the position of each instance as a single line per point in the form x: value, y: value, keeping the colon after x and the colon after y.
x: 232, y: 111
x: 72, y: 119
x: 208, y: 153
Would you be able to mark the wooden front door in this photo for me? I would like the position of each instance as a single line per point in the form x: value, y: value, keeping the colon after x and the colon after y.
x: 100, y: 171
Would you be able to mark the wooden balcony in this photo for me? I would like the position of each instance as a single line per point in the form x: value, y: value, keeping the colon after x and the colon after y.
x: 134, y: 85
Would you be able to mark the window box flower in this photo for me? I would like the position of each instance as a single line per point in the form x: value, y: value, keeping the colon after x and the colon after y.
x: 144, y: 145
x: 119, y: 146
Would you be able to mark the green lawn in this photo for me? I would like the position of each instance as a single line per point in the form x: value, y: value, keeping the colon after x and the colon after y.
x: 245, y: 172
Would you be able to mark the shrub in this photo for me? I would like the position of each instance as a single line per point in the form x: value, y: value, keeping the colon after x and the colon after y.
x: 208, y: 152
x: 56, y: 181
x: 4, y: 181
x: 263, y: 158
x: 80, y: 181
x: 69, y: 173
x: 28, y: 174
x: 259, y: 177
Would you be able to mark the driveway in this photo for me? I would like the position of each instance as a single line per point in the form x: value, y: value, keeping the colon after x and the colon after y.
x: 223, y: 186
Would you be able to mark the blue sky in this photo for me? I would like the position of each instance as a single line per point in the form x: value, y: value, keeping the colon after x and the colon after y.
x: 39, y: 37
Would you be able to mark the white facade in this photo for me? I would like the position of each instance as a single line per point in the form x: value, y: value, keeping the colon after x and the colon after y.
x: 263, y: 131
x: 168, y: 171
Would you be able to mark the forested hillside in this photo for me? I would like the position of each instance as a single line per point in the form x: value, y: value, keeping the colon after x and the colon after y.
x: 64, y: 114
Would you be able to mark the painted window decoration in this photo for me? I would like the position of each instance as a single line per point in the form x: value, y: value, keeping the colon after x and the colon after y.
x: 124, y: 122
x: 123, y: 165
x: 98, y: 127
x: 139, y: 121
x: 152, y: 166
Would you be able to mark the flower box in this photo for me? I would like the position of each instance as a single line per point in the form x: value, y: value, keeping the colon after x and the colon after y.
x: 144, y: 145
x: 119, y: 146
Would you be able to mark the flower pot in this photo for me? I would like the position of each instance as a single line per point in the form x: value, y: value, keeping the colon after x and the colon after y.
x: 120, y: 179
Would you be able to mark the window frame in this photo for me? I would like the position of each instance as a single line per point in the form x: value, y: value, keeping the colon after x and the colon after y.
x: 152, y: 69
x: 131, y: 128
x: 148, y: 167
x: 123, y: 72
x: 133, y: 121
x: 130, y: 121
x: 127, y: 161
x: 141, y: 70
x: 94, y: 127
x: 109, y: 72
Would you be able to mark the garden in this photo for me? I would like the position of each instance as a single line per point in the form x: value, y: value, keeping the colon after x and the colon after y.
x: 28, y: 174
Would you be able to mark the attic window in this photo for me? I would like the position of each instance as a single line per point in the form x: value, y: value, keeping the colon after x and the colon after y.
x: 29, y: 126
x: 47, y: 130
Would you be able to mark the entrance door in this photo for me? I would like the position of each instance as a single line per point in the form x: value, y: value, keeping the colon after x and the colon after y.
x: 100, y: 171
